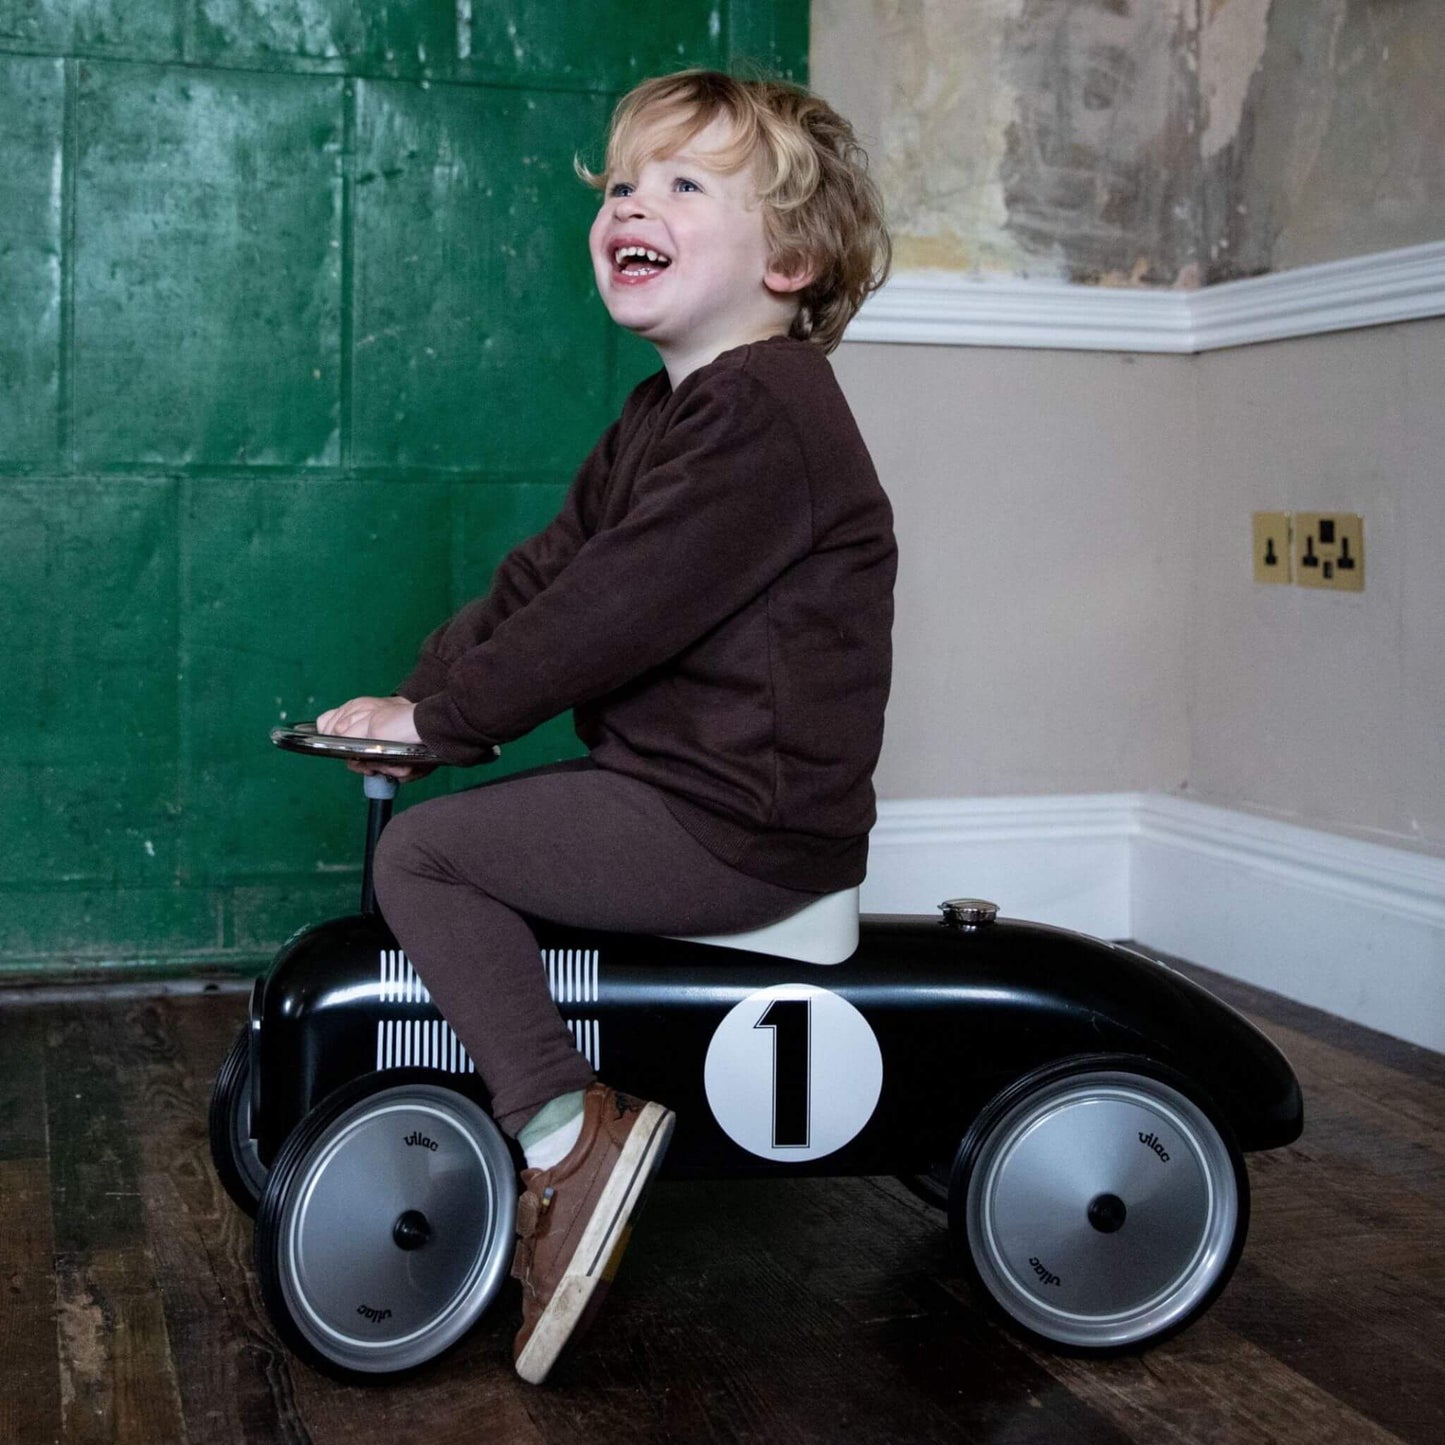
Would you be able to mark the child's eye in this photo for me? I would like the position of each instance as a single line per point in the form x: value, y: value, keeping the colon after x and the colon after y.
x: 619, y: 188
x: 682, y: 182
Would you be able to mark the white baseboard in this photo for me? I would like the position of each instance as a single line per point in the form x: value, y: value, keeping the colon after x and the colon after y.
x: 946, y: 308
x: 1355, y: 928
x: 1061, y: 860
x: 1351, y: 927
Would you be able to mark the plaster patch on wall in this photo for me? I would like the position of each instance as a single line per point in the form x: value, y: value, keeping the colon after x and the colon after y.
x: 945, y: 127
x: 1231, y: 46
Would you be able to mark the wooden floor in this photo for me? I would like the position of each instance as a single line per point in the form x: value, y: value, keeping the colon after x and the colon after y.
x: 778, y: 1311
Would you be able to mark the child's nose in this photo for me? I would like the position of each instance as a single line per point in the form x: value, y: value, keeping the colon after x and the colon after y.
x: 635, y: 204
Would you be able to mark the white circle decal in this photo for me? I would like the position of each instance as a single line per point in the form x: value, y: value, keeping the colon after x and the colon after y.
x: 793, y: 1072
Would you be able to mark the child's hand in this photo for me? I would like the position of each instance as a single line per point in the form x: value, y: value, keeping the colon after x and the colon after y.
x: 387, y: 718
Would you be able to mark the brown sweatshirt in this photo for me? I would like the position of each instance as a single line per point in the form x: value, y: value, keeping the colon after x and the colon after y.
x: 715, y: 602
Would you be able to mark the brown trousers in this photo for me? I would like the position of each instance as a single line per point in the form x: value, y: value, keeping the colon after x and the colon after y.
x: 571, y: 844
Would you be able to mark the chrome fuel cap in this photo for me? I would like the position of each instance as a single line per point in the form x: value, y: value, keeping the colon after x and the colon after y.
x: 968, y: 912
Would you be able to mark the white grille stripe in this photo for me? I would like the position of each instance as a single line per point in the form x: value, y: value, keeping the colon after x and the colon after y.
x: 587, y: 1036
x: 572, y: 974
x: 572, y: 977
x: 406, y: 1043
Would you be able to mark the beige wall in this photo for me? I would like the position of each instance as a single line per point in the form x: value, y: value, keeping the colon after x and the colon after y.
x: 1042, y: 595
x: 1076, y: 609
x: 1328, y: 707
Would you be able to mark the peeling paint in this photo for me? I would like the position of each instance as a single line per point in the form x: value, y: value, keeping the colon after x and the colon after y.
x: 1101, y: 163
x: 1144, y: 142
x: 1231, y: 46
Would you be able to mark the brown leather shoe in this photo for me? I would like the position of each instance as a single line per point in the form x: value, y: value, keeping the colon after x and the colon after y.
x: 574, y: 1221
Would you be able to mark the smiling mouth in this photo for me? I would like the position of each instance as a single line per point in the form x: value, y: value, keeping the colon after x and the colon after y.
x: 639, y: 261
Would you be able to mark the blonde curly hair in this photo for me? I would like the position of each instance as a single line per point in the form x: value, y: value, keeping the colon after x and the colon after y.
x: 820, y: 207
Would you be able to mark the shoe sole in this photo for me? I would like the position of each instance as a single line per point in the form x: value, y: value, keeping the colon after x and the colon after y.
x: 595, y: 1260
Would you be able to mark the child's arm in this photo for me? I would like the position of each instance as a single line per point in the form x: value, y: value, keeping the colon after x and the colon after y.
x: 722, y: 511
x: 524, y: 572
x: 520, y: 576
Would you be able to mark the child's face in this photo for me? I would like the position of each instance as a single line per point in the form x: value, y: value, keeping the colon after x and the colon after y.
x: 715, y: 289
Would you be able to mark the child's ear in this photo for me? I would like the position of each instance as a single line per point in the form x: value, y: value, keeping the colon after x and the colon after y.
x: 787, y: 276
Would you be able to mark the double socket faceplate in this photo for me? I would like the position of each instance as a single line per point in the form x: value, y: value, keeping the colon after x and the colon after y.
x: 1313, y: 549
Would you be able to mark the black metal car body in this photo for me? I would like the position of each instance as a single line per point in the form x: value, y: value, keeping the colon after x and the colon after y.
x: 958, y: 1013
x: 1079, y: 1108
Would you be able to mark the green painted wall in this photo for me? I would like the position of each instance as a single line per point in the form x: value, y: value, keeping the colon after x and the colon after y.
x: 297, y: 336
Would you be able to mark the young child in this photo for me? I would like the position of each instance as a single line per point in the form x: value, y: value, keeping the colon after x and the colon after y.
x: 714, y: 601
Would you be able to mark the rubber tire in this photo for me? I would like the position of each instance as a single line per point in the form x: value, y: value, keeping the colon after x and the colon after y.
x: 1009, y: 1119
x: 931, y: 1186
x: 321, y: 1135
x: 233, y: 1151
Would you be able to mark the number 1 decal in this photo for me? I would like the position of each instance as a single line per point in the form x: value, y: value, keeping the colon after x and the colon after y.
x: 793, y: 1072
x: 789, y: 1019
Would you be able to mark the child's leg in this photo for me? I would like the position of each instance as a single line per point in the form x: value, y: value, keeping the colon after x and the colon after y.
x: 582, y: 847
x: 578, y: 846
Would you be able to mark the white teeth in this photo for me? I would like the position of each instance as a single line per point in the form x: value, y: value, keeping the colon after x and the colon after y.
x: 624, y: 253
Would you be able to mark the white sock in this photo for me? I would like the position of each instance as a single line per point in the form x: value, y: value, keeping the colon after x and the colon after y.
x: 546, y: 1147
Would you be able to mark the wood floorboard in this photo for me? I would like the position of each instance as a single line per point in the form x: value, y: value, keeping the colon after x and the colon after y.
x: 117, y: 1380
x: 749, y: 1311
x: 1215, y: 1386
x: 22, y: 1085
x: 234, y: 1382
x: 29, y: 1346
x: 30, y: 1396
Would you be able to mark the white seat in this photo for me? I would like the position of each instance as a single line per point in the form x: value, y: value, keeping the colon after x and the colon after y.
x: 826, y: 931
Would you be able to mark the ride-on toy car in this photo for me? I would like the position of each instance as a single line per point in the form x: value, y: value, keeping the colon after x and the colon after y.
x: 1078, y: 1108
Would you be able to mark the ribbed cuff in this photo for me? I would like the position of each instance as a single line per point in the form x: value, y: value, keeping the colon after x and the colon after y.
x: 441, y: 726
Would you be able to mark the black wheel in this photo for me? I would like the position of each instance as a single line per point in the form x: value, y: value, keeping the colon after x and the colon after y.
x: 1103, y: 1205
x: 931, y: 1186
x: 233, y: 1150
x: 387, y: 1225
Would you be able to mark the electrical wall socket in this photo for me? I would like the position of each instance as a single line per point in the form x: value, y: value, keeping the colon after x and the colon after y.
x: 1271, y: 547
x: 1329, y: 550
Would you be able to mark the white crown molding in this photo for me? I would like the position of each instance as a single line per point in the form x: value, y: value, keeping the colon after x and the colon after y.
x: 1347, y: 925
x: 942, y: 308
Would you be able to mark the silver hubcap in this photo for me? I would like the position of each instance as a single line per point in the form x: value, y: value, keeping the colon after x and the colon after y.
x: 397, y: 1229
x: 1101, y: 1209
